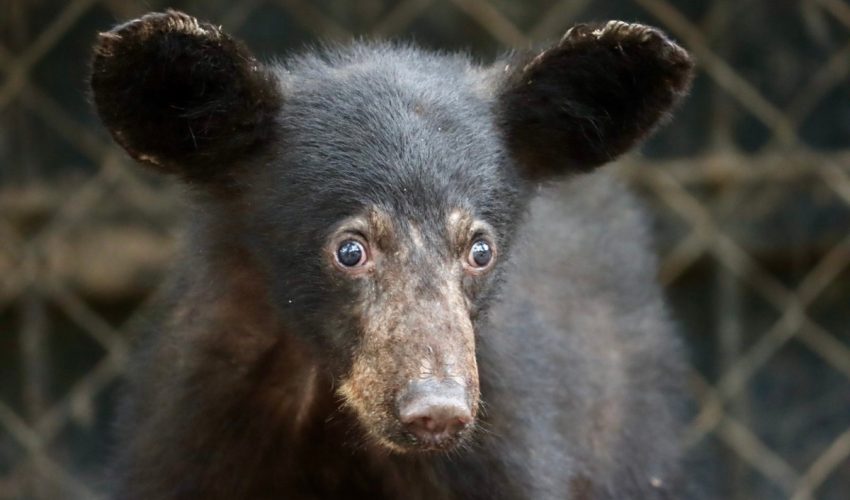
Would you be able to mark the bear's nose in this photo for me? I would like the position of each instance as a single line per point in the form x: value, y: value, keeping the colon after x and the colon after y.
x: 434, y: 411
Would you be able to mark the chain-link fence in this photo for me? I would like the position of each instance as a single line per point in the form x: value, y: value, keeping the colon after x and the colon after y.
x: 750, y: 185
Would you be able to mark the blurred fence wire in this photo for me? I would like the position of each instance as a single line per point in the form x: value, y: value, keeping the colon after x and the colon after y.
x: 750, y: 186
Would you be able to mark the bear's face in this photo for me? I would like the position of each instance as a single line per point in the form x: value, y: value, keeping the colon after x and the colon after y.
x: 380, y: 186
x: 388, y: 205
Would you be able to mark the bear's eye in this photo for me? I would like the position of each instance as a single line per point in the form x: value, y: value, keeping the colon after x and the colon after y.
x: 480, y: 254
x: 351, y: 253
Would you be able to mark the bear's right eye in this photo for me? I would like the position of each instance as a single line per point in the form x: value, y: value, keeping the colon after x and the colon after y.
x: 351, y: 253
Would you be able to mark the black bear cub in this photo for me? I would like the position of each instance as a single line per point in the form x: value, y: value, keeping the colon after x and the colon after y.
x: 402, y: 278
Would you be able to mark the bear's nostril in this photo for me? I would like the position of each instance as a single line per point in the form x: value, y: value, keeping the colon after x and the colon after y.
x: 434, y: 421
x: 434, y: 411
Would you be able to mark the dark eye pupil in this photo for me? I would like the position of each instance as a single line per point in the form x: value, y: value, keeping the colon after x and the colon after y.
x: 349, y: 253
x: 481, y: 253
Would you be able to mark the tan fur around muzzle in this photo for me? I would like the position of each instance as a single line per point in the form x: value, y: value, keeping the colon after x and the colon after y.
x: 408, y: 338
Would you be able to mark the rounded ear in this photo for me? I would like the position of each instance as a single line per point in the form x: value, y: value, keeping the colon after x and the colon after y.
x: 182, y: 96
x: 589, y: 98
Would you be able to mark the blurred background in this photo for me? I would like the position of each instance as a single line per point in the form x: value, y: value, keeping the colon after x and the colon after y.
x: 750, y: 186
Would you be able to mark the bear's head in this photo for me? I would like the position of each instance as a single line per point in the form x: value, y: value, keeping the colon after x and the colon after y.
x: 380, y: 185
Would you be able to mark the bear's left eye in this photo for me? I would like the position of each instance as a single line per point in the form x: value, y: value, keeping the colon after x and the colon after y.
x: 480, y: 254
x: 351, y: 253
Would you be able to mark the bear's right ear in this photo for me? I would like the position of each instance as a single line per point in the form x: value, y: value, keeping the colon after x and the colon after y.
x: 182, y: 96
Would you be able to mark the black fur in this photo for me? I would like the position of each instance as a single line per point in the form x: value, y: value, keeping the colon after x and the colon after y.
x: 237, y: 395
x: 181, y: 95
x: 591, y: 97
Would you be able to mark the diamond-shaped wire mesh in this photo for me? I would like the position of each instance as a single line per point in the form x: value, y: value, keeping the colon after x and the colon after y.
x: 751, y: 190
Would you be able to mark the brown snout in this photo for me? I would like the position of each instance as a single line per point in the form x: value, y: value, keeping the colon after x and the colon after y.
x: 434, y: 412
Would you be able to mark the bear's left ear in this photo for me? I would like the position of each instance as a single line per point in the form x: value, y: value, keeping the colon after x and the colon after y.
x: 182, y: 96
x: 591, y: 97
